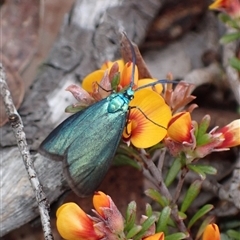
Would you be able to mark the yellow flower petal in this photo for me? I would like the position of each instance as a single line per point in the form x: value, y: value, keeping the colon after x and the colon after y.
x: 180, y: 126
x: 145, y: 132
x: 211, y: 232
x: 157, y: 88
x: 74, y: 224
x: 88, y: 81
x: 157, y: 236
x: 216, y: 4
x: 100, y: 200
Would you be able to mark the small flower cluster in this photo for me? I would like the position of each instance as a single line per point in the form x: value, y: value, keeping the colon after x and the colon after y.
x: 185, y: 135
x: 74, y: 224
x: 156, y: 115
x: 108, y: 224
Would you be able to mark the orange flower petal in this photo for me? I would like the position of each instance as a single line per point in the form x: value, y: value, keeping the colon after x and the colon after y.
x: 211, y: 232
x: 180, y: 126
x: 74, y: 224
x: 218, y: 4
x: 145, y: 132
x: 157, y: 88
x: 157, y: 236
x: 100, y: 200
x: 126, y: 75
x: 88, y: 81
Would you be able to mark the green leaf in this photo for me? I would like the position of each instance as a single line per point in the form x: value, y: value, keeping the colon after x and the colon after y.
x: 115, y: 81
x: 230, y: 37
x: 163, y: 220
x: 203, y: 139
x: 75, y: 108
x: 152, y: 149
x: 176, y: 236
x: 233, y: 234
x: 173, y: 171
x: 202, y: 136
x: 224, y: 17
x: 130, y: 151
x: 191, y: 194
x: 130, y: 216
x: 228, y: 20
x: 149, y: 210
x: 145, y: 226
x: 231, y: 224
x: 135, y: 230
x: 197, y: 170
x: 182, y: 215
x: 201, y: 212
x: 171, y: 223
x: 203, y: 126
x: 235, y: 63
x: 223, y: 236
x: 120, y: 160
x: 207, y: 169
x: 156, y: 196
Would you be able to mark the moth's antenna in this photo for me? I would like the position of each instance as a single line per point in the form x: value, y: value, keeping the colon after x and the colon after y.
x: 133, y: 59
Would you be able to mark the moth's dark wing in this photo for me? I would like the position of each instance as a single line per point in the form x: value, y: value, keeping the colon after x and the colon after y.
x: 87, y: 141
x: 89, y: 157
x: 59, y: 140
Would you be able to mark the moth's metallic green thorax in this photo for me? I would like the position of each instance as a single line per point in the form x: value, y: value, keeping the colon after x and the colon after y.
x: 120, y: 101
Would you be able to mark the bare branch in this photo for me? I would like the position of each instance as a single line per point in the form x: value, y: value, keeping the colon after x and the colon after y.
x: 20, y: 136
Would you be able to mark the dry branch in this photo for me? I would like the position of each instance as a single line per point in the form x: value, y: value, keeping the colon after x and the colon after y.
x: 17, y: 127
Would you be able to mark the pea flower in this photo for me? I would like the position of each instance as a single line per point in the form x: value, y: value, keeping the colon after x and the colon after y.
x: 180, y: 126
x: 148, y: 115
x: 192, y: 138
x: 74, y: 224
x: 230, y: 133
x: 112, y: 76
x: 147, y: 123
x: 211, y: 232
x: 107, y: 211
